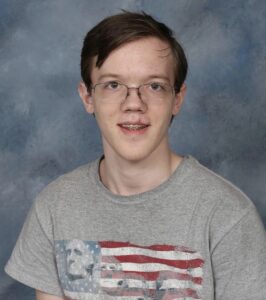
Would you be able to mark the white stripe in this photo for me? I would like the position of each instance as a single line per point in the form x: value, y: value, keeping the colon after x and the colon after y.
x: 151, y: 267
x: 127, y: 282
x: 135, y: 283
x: 173, y: 255
x: 133, y: 298
x: 179, y: 284
x: 89, y: 296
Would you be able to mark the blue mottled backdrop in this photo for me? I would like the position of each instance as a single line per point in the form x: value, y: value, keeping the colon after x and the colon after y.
x: 45, y: 131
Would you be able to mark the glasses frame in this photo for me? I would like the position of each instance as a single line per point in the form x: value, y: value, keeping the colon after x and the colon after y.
x: 173, y: 88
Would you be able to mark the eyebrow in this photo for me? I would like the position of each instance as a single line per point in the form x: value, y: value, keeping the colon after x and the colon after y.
x: 109, y: 75
x: 151, y: 76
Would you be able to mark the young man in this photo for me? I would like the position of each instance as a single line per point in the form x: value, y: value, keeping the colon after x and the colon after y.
x: 141, y: 222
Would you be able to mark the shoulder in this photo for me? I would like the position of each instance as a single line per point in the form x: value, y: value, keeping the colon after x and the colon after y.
x: 70, y: 185
x: 216, y: 189
x: 224, y: 205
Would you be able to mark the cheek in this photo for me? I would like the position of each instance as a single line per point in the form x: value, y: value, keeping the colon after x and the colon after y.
x: 106, y: 109
x: 105, y: 116
x: 163, y: 112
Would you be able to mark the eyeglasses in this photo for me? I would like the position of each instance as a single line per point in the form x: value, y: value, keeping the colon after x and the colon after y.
x: 114, y: 90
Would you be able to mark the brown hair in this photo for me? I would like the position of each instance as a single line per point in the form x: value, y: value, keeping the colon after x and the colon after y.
x: 125, y: 27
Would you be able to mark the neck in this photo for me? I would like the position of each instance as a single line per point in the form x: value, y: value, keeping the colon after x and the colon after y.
x: 127, y: 178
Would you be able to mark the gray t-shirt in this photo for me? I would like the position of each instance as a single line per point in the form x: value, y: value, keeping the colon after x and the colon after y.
x: 195, y: 236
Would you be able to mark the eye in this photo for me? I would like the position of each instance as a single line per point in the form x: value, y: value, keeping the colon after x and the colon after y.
x: 77, y: 252
x: 112, y: 85
x: 157, y: 87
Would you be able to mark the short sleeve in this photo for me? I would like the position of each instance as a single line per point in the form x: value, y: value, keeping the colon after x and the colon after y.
x: 239, y: 260
x: 33, y: 261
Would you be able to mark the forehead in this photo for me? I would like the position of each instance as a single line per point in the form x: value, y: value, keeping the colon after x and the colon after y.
x: 138, y: 59
x: 76, y: 245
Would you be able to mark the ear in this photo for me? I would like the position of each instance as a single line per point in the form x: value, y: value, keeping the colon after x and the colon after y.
x: 179, y: 98
x: 86, y: 97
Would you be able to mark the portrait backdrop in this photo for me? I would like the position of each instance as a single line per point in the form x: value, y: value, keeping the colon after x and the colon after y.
x: 46, y: 132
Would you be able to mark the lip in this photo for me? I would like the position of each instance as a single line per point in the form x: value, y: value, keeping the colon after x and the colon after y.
x: 133, y: 128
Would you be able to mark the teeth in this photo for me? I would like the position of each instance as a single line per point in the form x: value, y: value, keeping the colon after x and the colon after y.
x: 133, y: 126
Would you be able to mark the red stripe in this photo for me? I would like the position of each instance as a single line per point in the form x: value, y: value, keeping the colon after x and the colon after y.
x: 142, y: 259
x: 180, y: 293
x: 150, y: 276
x: 119, y: 292
x: 111, y: 244
x: 128, y: 275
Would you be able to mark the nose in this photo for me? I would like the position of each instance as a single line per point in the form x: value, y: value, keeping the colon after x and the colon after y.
x: 133, y: 101
x: 70, y: 256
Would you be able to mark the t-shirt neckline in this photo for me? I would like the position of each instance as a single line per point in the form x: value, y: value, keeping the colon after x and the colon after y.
x: 176, y: 178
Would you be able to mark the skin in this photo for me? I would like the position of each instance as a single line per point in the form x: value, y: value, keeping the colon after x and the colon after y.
x: 43, y: 296
x: 137, y: 161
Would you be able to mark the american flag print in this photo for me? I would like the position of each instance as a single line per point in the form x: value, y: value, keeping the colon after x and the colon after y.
x: 125, y: 271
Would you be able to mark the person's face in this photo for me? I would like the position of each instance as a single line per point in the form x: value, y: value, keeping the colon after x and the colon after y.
x: 132, y: 128
x: 79, y: 259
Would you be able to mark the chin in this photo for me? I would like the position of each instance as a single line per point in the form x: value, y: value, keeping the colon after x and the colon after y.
x: 134, y: 156
x: 132, y: 152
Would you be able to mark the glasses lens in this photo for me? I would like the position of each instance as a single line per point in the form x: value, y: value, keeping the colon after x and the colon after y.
x: 156, y: 90
x: 110, y: 90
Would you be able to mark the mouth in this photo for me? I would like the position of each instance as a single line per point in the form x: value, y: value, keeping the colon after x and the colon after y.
x: 133, y: 128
